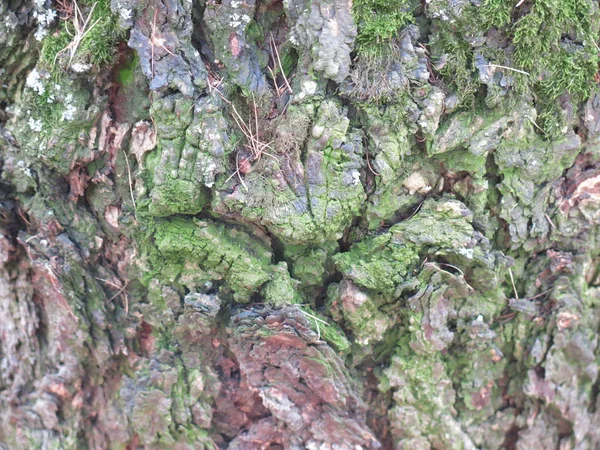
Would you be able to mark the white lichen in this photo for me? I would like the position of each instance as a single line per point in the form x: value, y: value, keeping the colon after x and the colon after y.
x: 24, y: 168
x: 10, y: 21
x: 40, y: 34
x: 235, y: 20
x: 309, y: 87
x: 44, y: 17
x: 125, y: 13
x: 70, y: 109
x: 466, y: 252
x: 35, y: 124
x: 35, y: 81
x: 80, y: 67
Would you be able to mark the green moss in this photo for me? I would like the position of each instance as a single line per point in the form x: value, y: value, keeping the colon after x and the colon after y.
x: 126, y: 75
x: 379, y: 21
x: 175, y: 196
x: 551, y: 40
x: 455, y: 63
x: 377, y: 264
x: 282, y: 290
x: 389, y: 153
x: 363, y: 313
x: 179, y: 246
x: 495, y: 13
x: 310, y: 265
x: 441, y: 229
x: 541, y: 48
x: 97, y: 47
x: 316, y: 209
x: 328, y: 330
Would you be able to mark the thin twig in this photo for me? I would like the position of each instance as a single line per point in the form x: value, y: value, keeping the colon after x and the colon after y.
x: 237, y: 170
x: 258, y: 147
x: 540, y: 294
x: 508, y: 68
x: 280, y: 65
x: 130, y: 180
x: 255, y: 118
x: 454, y: 267
x: 274, y: 77
x: 317, y: 320
x: 152, y: 43
x: 22, y: 216
x: 109, y: 282
x: 534, y: 123
x: 369, y: 165
x: 441, y: 270
x: 121, y: 291
x: 155, y: 40
x: 416, y: 210
x: 512, y: 280
x: 81, y: 31
x: 30, y: 238
x: 508, y: 317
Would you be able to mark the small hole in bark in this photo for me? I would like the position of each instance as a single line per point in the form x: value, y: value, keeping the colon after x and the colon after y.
x: 511, y: 438
x: 540, y: 372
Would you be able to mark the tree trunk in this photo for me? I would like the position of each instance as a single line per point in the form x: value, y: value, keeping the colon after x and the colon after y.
x: 317, y: 224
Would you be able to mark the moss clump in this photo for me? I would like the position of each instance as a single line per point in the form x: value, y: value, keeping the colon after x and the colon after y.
x: 454, y: 62
x: 379, y: 21
x: 441, y: 229
x: 379, y: 263
x: 127, y: 72
x: 179, y: 247
x: 53, y: 120
x: 177, y: 196
x: 282, y: 290
x: 310, y: 265
x: 364, y: 314
x: 326, y: 329
x: 545, y: 47
x: 311, y: 206
x: 542, y: 39
x: 97, y: 47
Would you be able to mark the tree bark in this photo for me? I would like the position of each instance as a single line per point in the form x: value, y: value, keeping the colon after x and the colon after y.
x: 317, y: 224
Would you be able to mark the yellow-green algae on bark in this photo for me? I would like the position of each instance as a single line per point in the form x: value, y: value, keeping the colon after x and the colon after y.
x: 299, y: 224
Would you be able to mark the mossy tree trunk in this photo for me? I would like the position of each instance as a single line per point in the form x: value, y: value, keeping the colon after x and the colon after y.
x: 321, y: 224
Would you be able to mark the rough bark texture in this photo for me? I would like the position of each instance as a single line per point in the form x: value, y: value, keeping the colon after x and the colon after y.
x: 320, y: 224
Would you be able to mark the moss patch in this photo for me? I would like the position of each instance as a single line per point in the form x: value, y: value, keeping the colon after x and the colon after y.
x: 97, y: 47
x: 181, y: 246
x: 545, y: 47
x: 379, y: 21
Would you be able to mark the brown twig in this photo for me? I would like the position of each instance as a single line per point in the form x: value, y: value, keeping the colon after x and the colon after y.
x: 121, y: 291
x: 237, y: 171
x: 82, y: 28
x: 130, y: 181
x: 256, y: 145
x: 276, y: 53
x: 64, y: 7
x: 155, y: 40
x: 369, y: 165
